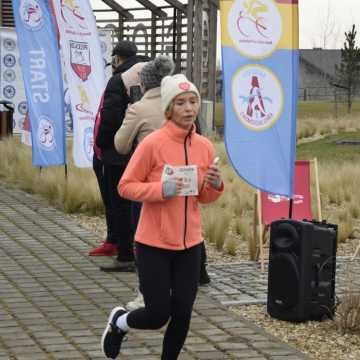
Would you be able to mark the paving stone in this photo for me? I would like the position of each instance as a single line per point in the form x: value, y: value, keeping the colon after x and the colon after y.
x: 246, y: 354
x: 232, y: 345
x: 213, y: 355
x: 285, y: 357
x: 55, y: 301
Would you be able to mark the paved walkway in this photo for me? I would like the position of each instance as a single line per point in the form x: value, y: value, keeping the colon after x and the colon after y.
x: 54, y: 301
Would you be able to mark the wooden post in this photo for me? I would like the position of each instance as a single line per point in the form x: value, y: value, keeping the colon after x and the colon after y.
x: 198, y: 44
x: 212, y: 57
x: 178, y: 41
x: 120, y: 31
x: 153, y: 35
x: 260, y: 232
x: 317, y: 187
x: 190, y: 39
x: 174, y: 34
x: 1, y: 14
x: 255, y: 224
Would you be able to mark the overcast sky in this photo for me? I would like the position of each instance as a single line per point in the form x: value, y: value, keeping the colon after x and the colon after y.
x: 322, y: 22
x: 337, y: 16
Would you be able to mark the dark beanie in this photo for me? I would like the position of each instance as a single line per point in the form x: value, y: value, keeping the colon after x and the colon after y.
x: 153, y: 71
x: 124, y: 48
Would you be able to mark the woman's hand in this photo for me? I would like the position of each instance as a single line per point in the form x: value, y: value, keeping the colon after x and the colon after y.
x: 172, y: 188
x: 213, y: 176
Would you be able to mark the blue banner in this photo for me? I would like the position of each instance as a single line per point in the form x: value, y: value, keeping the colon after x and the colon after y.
x: 260, y: 68
x: 42, y: 74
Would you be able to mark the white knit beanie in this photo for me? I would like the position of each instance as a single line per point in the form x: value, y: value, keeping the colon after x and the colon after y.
x: 172, y: 86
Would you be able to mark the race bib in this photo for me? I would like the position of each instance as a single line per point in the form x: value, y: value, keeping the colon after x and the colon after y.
x: 188, y: 175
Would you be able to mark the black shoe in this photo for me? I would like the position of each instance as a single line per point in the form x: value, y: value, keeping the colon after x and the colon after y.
x: 204, y: 277
x: 119, y: 266
x: 113, y: 336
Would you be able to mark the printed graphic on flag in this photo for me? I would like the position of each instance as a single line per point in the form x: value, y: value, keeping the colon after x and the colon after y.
x: 255, y: 27
x: 31, y: 14
x: 84, y: 101
x: 46, y: 134
x: 89, y: 143
x: 257, y: 97
x: 80, y: 59
x: 72, y: 15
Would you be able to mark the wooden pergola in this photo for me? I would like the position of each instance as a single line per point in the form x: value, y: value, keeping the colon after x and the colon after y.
x: 185, y: 30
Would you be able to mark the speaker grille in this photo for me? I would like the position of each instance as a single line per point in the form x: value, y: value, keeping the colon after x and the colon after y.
x: 285, y: 291
x: 286, y: 237
x: 302, y: 264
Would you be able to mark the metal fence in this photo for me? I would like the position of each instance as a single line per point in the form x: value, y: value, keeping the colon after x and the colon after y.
x: 322, y: 93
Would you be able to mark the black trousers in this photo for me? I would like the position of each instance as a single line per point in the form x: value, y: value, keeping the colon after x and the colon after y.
x: 117, y: 209
x: 98, y: 168
x: 169, y: 281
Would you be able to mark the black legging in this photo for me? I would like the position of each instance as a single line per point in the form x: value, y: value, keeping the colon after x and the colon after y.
x: 169, y: 282
x: 135, y: 215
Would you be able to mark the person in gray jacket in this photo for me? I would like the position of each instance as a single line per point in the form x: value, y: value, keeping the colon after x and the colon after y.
x: 144, y: 116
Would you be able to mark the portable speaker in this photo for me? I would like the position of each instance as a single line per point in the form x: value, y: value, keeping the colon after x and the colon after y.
x: 302, y: 263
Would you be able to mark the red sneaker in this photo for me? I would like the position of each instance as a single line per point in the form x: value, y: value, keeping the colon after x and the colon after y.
x: 105, y: 249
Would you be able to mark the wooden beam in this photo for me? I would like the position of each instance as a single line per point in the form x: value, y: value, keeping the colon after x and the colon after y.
x: 149, y: 5
x: 153, y: 36
x: 120, y: 32
x: 177, y: 4
x: 212, y: 15
x: 190, y: 40
x: 215, y: 2
x: 116, y: 7
x: 178, y: 40
x: 1, y: 19
x: 198, y: 44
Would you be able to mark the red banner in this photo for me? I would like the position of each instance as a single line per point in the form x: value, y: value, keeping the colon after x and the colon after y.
x: 275, y: 207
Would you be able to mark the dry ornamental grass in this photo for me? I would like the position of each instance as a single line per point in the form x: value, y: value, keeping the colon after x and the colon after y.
x: 228, y: 228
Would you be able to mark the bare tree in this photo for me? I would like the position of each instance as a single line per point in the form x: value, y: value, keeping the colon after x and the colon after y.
x: 329, y: 32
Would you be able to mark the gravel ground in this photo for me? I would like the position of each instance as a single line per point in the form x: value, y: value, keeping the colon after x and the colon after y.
x: 320, y: 340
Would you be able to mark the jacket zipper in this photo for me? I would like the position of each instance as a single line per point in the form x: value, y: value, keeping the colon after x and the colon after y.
x: 186, y: 198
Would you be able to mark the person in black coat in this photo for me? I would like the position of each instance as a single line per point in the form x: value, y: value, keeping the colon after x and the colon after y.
x: 109, y: 165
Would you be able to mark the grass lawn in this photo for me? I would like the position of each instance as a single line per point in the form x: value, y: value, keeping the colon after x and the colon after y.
x: 323, y: 109
x: 327, y: 151
x: 306, y: 109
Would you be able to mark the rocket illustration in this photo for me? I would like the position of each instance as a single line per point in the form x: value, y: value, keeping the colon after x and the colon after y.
x: 256, y: 108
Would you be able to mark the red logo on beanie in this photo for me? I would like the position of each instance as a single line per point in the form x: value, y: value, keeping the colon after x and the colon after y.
x: 184, y: 86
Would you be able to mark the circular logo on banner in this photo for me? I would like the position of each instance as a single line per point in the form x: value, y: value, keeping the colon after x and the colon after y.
x: 255, y: 27
x: 22, y: 107
x: 31, y: 14
x: 72, y: 15
x: 46, y: 134
x: 9, y: 91
x: 9, y: 60
x: 9, y: 44
x: 9, y: 75
x: 257, y: 97
x: 88, y: 142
